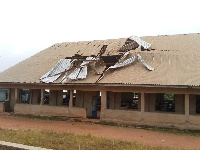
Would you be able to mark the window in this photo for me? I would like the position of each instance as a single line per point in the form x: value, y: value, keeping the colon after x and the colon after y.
x: 25, y: 96
x: 165, y: 102
x: 3, y: 94
x: 46, y: 96
x: 198, y: 104
x: 129, y: 100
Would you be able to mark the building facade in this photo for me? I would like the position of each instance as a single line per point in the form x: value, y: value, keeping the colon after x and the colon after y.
x: 144, y: 81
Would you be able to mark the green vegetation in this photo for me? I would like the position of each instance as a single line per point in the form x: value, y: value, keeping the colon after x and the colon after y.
x: 42, y: 117
x: 69, y: 141
x: 169, y: 97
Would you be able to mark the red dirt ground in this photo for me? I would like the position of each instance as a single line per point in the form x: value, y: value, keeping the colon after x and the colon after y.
x: 111, y: 132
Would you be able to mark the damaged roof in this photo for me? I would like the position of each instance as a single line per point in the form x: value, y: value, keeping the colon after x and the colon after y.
x: 163, y: 60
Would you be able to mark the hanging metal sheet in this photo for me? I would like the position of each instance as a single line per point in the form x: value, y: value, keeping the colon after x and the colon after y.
x: 144, y: 63
x: 140, y: 42
x: 64, y: 79
x: 129, y: 61
x: 74, y: 74
x: 124, y: 63
x: 81, y: 72
x: 125, y: 55
x: 88, y: 60
x: 50, y: 79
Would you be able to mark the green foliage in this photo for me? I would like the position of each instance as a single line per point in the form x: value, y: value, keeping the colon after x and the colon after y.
x: 169, y: 97
x: 69, y: 141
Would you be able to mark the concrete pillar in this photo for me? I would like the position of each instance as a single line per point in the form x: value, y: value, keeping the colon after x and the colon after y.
x: 31, y: 94
x: 71, y: 99
x: 117, y: 100
x: 11, y: 100
x: 42, y: 96
x: 187, y: 111
x: 139, y: 101
x: 8, y: 95
x: 142, y: 101
x: 187, y: 107
x: 16, y: 95
x: 111, y: 100
x: 179, y: 103
x: 103, y: 102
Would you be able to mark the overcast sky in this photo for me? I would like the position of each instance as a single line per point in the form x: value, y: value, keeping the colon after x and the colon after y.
x: 29, y: 26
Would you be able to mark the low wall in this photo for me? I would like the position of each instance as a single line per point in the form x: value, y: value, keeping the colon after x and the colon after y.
x: 121, y: 116
x: 164, y: 119
x: 2, y: 106
x: 46, y: 110
x: 194, y: 122
x: 152, y: 119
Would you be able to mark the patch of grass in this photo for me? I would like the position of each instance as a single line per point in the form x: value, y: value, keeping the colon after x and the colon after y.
x: 51, y: 118
x: 174, y: 130
x: 157, y: 129
x: 69, y: 141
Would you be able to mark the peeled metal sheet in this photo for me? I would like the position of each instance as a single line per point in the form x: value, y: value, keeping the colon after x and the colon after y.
x: 144, y: 63
x: 64, y: 79
x: 52, y: 75
x: 50, y: 79
x: 74, y: 74
x: 81, y: 72
x: 88, y: 60
x: 124, y: 63
x: 125, y: 55
x: 140, y: 42
x: 131, y: 60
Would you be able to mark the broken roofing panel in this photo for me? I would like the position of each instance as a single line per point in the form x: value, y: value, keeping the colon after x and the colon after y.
x: 61, y: 66
x: 110, y: 59
x: 81, y: 72
x: 140, y: 42
x: 144, y: 63
x: 124, y: 63
x: 129, y: 61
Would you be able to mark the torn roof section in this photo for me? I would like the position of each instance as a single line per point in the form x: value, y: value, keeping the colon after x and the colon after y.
x: 107, y: 58
x: 175, y: 59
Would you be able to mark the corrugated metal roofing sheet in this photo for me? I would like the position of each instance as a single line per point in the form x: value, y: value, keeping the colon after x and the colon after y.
x: 176, y: 60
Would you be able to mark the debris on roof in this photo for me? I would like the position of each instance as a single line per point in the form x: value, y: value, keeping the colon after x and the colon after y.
x: 81, y: 72
x: 174, y: 57
x: 62, y: 66
x: 144, y: 63
x: 83, y: 63
x: 124, y: 63
x: 140, y: 42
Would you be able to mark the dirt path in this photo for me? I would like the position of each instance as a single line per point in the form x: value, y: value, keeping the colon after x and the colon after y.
x: 128, y: 134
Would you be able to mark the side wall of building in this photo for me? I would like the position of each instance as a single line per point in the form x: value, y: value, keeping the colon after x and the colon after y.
x: 46, y: 110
